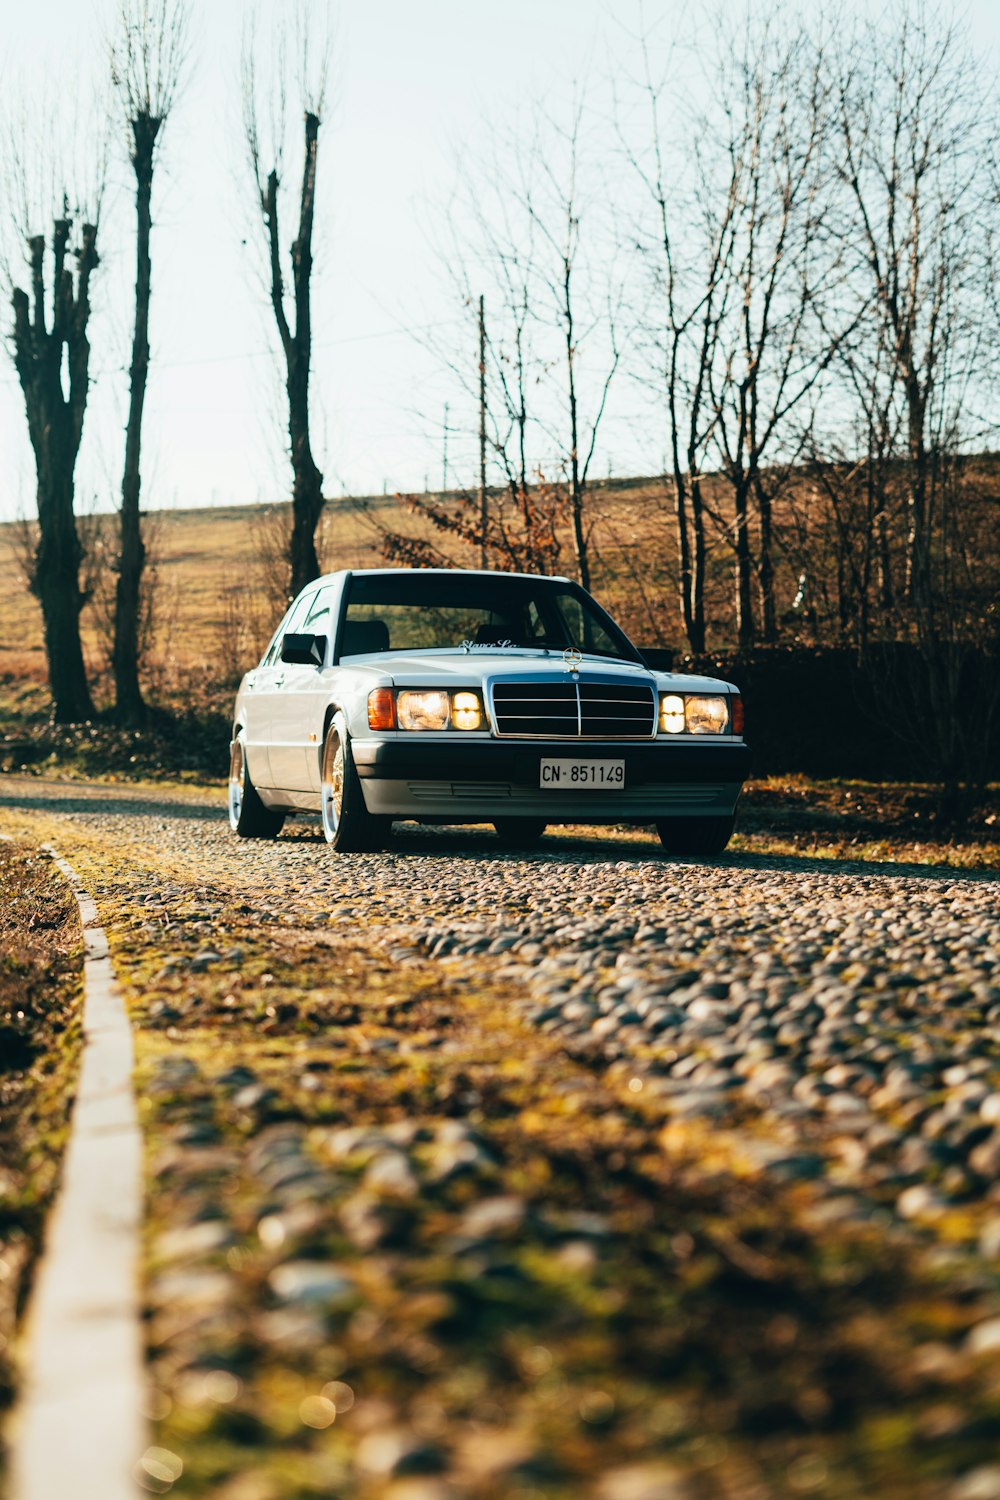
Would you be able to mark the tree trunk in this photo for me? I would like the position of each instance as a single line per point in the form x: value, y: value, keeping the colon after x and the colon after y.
x: 307, y: 480
x: 691, y: 552
x: 886, y: 592
x: 744, y: 570
x: 765, y: 570
x: 916, y: 533
x: 843, y: 589
x: 698, y: 574
x: 576, y: 484
x: 129, y: 705
x: 56, y: 584
x: 307, y: 483
x: 580, y: 540
x: 685, y: 579
x: 55, y: 427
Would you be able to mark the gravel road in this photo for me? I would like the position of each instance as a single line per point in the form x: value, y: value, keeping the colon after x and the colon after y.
x: 832, y: 1029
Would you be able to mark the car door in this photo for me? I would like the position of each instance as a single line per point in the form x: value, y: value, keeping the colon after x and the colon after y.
x: 265, y: 699
x: 257, y: 706
x: 294, y: 730
x: 315, y: 690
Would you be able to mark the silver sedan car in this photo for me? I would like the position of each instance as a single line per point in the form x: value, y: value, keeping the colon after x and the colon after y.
x: 447, y: 696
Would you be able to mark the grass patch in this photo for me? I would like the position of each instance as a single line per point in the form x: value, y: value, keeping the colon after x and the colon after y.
x: 40, y: 987
x: 873, y: 822
x: 177, y: 744
x: 635, y: 1300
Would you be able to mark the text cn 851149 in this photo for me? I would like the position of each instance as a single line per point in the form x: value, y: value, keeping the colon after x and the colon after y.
x: 451, y: 696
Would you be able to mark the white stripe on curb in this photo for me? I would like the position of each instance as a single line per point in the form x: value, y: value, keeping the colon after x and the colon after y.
x: 78, y: 1429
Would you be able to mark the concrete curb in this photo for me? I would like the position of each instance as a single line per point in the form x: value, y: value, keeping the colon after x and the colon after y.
x: 78, y: 1429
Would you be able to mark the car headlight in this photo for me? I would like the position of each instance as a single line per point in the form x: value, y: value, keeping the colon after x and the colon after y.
x: 423, y: 710
x: 427, y: 709
x: 704, y: 715
x: 672, y: 713
x: 697, y: 714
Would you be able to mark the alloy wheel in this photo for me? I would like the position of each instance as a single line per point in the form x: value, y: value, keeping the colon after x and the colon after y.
x: 237, y: 775
x: 332, y: 784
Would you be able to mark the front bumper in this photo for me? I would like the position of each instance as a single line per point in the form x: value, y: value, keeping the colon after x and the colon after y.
x: 476, y: 781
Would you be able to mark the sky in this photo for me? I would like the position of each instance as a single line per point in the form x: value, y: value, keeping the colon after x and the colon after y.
x: 415, y: 87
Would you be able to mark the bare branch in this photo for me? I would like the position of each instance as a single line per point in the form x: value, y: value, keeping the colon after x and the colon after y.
x: 298, y: 64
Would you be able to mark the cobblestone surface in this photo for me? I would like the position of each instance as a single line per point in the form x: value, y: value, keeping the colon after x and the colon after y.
x: 858, y: 1012
x: 828, y: 1033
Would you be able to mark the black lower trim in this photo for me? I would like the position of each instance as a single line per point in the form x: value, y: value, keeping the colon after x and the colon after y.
x: 662, y: 762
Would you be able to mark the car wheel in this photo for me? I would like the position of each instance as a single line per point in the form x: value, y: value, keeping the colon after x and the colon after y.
x: 519, y: 833
x: 704, y: 836
x: 347, y: 823
x: 248, y: 817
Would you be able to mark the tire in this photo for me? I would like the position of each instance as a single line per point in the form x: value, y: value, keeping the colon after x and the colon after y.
x: 348, y: 826
x: 248, y: 817
x: 519, y: 833
x: 697, y: 836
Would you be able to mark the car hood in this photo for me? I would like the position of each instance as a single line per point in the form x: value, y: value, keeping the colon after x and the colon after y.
x: 431, y: 669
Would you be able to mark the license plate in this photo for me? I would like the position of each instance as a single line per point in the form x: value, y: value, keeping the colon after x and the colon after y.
x: 583, y: 775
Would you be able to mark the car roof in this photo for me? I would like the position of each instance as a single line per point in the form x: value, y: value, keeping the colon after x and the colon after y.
x: 439, y: 572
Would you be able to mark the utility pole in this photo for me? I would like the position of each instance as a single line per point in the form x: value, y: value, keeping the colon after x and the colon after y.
x: 444, y: 455
x: 482, y: 428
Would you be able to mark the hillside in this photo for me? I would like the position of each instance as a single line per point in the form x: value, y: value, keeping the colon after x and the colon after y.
x: 218, y: 573
x: 218, y: 578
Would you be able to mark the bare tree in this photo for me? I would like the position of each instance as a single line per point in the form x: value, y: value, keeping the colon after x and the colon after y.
x: 783, y: 323
x: 491, y: 242
x: 555, y: 203
x: 515, y: 524
x: 917, y: 215
x: 51, y: 351
x: 686, y: 249
x: 913, y: 152
x: 522, y: 230
x: 148, y: 58
x: 842, y: 502
x: 301, y: 66
x: 738, y: 273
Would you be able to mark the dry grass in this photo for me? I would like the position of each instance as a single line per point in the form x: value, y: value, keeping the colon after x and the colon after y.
x: 218, y: 596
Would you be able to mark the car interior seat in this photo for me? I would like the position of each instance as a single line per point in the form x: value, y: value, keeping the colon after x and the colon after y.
x: 363, y: 636
x: 492, y: 635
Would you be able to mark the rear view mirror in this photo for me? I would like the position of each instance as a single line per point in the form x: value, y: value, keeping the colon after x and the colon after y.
x: 659, y: 658
x: 303, y: 650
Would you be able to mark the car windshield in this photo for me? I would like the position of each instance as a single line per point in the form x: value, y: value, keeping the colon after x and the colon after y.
x: 433, y: 611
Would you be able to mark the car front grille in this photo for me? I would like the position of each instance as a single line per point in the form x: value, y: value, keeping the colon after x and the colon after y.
x: 573, y: 710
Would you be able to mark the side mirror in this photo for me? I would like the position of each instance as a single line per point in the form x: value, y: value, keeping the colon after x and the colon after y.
x: 303, y: 650
x: 658, y: 658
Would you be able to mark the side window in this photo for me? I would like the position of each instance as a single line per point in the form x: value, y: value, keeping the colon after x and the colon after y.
x: 270, y: 655
x: 318, y: 618
x: 292, y: 621
x: 298, y: 614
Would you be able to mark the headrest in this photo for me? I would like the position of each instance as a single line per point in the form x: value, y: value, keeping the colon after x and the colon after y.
x: 363, y: 636
x: 492, y: 635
